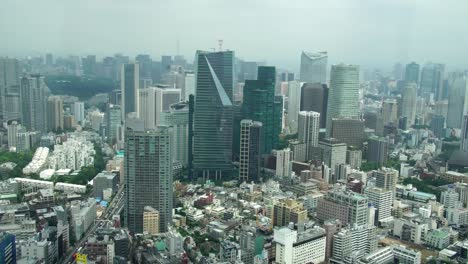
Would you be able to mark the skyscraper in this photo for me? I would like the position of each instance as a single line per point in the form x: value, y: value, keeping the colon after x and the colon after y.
x: 294, y: 105
x: 250, y: 150
x: 334, y: 152
x: 89, y: 65
x: 33, y: 103
x: 314, y: 67
x: 189, y: 85
x: 54, y: 113
x: 343, y: 99
x: 412, y: 72
x: 78, y: 112
x: 308, y: 130
x: 130, y: 85
x: 148, y: 175
x: 349, y: 131
x: 389, y: 112
x: 458, y: 101
x: 261, y: 104
x: 9, y: 89
x: 408, y: 108
x: 377, y: 150
x: 212, y: 139
x: 113, y: 123
x: 177, y: 117
x: 464, y: 135
x: 438, y: 126
x: 314, y: 97
x: 432, y: 79
x: 154, y: 101
x: 283, y: 163
x: 7, y: 248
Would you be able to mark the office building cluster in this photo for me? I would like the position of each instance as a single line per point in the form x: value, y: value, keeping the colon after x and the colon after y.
x: 225, y: 160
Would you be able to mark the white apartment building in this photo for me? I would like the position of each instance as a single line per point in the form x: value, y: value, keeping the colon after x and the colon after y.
x: 38, y: 161
x: 284, y: 163
x: 83, y: 215
x: 73, y: 154
x: 307, y: 246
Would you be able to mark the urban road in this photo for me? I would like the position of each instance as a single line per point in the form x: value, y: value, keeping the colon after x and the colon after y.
x: 115, y: 207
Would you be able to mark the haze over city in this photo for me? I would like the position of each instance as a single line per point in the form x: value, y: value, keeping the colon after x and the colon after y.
x: 368, y: 33
x: 233, y: 132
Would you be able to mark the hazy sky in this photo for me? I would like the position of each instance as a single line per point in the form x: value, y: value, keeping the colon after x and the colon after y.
x: 365, y: 32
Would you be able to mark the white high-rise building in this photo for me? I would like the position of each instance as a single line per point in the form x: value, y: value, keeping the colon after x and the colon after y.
x: 79, y: 112
x: 294, y: 105
x: 314, y: 67
x: 165, y: 97
x: 308, y: 129
x: 382, y: 200
x: 305, y: 246
x: 154, y: 101
x: 178, y: 118
x: 449, y: 198
x: 458, y: 101
x: 283, y: 162
x: 147, y: 107
x: 409, y: 103
x: 189, y: 85
x: 343, y: 97
x: 12, y: 131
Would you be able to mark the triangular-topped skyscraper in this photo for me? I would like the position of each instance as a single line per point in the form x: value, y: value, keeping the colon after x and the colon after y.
x: 212, y: 125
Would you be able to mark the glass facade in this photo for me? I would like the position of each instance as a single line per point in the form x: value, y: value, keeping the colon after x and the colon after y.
x: 261, y: 104
x: 212, y: 138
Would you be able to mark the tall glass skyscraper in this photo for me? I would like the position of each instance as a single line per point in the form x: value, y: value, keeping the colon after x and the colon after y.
x: 314, y: 67
x: 260, y: 104
x: 343, y: 99
x: 212, y: 138
x: 432, y: 79
x: 458, y: 101
x: 130, y: 84
x: 148, y: 175
x: 412, y: 72
x: 314, y: 97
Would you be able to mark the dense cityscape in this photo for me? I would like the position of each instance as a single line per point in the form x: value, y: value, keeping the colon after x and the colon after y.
x: 215, y: 158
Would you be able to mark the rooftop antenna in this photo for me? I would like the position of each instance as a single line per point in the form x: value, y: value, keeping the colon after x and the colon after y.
x: 178, y: 47
x: 220, y: 44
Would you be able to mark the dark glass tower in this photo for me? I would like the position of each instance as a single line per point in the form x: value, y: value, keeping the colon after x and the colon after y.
x: 130, y: 83
x: 148, y: 176
x: 260, y: 104
x: 213, y: 117
x: 314, y: 97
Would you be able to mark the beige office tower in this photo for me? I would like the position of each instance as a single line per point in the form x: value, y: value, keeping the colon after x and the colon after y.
x: 150, y: 220
x: 55, y: 113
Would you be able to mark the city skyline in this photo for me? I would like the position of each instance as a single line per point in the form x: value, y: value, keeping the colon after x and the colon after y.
x: 407, y: 29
